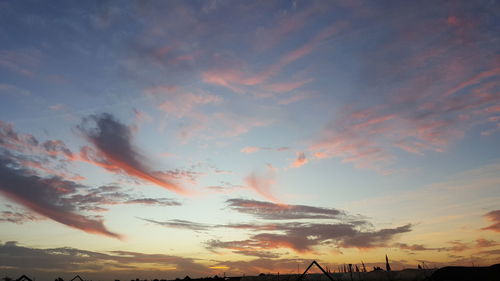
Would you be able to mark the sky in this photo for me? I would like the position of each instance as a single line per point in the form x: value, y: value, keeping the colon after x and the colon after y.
x: 159, y: 139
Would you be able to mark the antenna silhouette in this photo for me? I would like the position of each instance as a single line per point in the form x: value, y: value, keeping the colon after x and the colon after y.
x: 77, y: 277
x: 24, y: 277
x: 319, y: 266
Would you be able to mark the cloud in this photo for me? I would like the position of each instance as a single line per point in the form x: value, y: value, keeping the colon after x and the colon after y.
x: 246, y: 248
x: 272, y: 211
x: 34, y: 176
x: 300, y: 161
x: 96, y: 199
x: 416, y: 247
x: 179, y: 103
x: 182, y: 224
x: 46, y: 196
x: 342, y: 231
x: 493, y: 216
x: 259, y: 83
x: 50, y: 157
x: 225, y: 187
x: 22, y: 61
x: 65, y: 260
x: 17, y: 217
x: 303, y: 237
x: 153, y: 201
x: 13, y: 90
x: 484, y: 243
x: 428, y: 97
x: 253, y: 149
x: 112, y: 140
x: 262, y: 183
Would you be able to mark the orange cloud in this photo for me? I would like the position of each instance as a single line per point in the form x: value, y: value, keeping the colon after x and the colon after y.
x: 263, y: 183
x: 493, y: 216
x: 300, y: 161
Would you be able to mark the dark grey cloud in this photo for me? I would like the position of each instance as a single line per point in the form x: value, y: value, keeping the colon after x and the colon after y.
x: 183, y: 224
x: 491, y: 252
x: 416, y: 247
x: 57, y: 195
x: 96, y: 199
x: 273, y: 211
x: 153, y: 201
x: 115, y: 152
x: 287, y: 228
x: 302, y: 237
x: 46, y: 196
x: 20, y: 259
x: 245, y: 247
x: 17, y: 217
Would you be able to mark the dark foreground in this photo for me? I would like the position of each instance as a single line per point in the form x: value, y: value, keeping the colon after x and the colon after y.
x: 449, y: 273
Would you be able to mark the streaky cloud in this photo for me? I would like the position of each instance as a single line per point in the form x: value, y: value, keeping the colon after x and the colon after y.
x: 46, y: 196
x: 272, y: 211
x: 494, y: 217
x: 182, y: 224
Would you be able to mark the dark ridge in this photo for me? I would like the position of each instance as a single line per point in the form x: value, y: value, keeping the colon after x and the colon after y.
x: 465, y: 273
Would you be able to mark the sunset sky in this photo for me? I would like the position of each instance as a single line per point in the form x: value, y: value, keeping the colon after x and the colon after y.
x: 158, y: 139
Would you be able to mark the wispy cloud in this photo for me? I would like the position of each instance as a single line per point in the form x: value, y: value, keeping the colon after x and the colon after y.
x: 494, y: 217
x: 262, y: 183
x: 18, y: 216
x: 300, y: 161
x: 8, y: 89
x: 253, y: 149
x: 428, y: 97
x: 182, y: 224
x: 260, y: 83
x: 272, y: 211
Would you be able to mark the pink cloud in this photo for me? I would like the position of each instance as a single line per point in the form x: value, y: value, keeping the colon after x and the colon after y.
x: 409, y: 121
x: 474, y: 80
x: 295, y: 97
x: 452, y: 20
x: 494, y: 217
x: 184, y: 104
x: 263, y: 183
x: 300, y: 161
x: 240, y: 81
x: 287, y: 24
x: 287, y: 86
x: 21, y: 62
x: 250, y: 149
x: 253, y: 149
